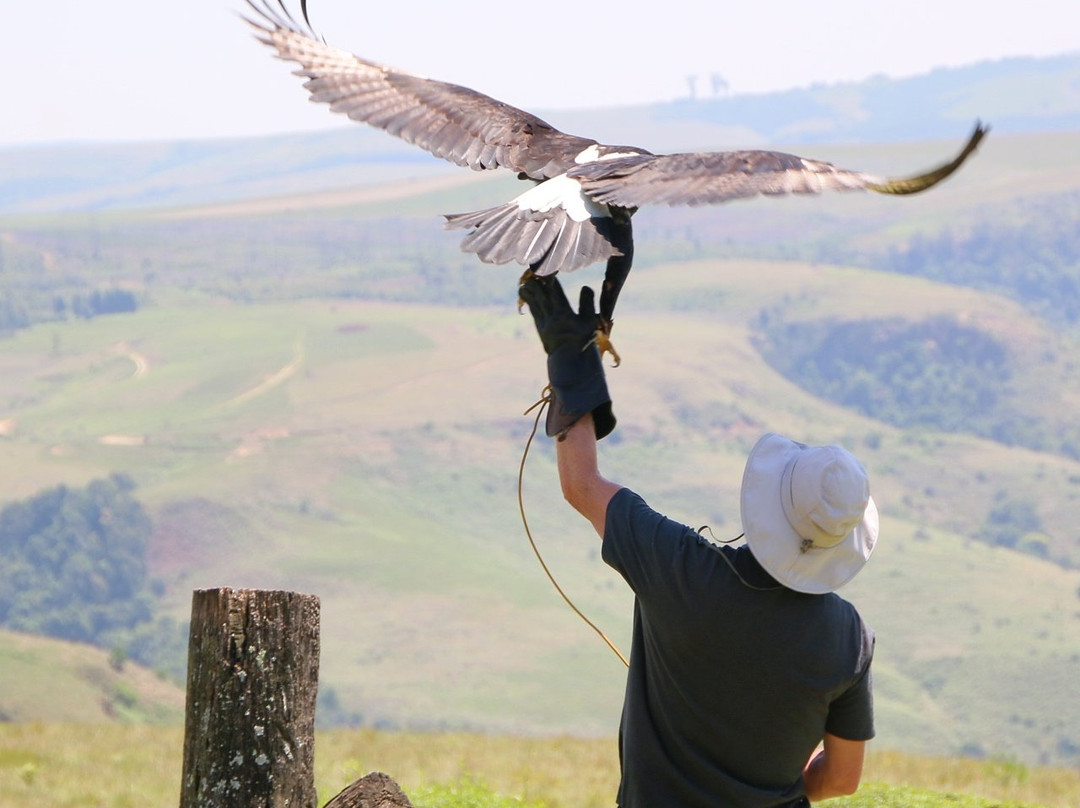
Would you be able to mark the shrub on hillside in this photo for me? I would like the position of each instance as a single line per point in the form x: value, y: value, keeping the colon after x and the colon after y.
x: 1029, y: 252
x: 73, y: 562
x: 935, y: 372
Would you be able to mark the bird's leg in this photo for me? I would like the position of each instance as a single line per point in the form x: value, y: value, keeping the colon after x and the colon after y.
x: 618, y: 267
x: 526, y: 276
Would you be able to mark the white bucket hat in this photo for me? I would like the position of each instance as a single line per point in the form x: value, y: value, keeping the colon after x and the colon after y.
x: 807, y: 513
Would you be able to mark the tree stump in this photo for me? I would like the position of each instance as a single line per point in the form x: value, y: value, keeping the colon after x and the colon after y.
x: 253, y: 671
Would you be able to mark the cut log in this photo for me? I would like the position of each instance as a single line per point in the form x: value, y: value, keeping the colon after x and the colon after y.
x: 253, y: 674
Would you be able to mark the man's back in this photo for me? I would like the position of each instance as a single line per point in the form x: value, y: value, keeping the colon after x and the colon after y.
x: 734, y: 678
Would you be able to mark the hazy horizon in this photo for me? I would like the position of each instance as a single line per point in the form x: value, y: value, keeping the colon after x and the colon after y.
x: 122, y: 71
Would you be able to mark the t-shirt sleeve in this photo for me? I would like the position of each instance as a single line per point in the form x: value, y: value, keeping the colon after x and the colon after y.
x: 640, y: 544
x: 851, y: 714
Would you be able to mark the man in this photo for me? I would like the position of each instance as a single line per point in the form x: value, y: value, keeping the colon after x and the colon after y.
x: 743, y: 661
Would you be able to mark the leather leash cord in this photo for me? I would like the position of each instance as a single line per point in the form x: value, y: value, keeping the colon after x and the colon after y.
x: 545, y: 400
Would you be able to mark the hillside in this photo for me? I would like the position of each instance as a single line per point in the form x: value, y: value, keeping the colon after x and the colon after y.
x: 1019, y: 95
x: 318, y: 392
x: 367, y: 452
x: 53, y: 681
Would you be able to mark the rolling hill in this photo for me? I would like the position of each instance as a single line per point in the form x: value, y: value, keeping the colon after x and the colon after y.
x: 366, y: 452
x: 318, y: 392
x: 48, y: 680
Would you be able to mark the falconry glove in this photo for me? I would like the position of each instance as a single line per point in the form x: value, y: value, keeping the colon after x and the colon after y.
x: 575, y: 369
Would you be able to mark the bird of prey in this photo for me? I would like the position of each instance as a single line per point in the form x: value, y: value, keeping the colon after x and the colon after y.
x: 584, y: 192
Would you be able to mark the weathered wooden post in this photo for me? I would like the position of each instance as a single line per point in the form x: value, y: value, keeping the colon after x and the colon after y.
x: 253, y: 674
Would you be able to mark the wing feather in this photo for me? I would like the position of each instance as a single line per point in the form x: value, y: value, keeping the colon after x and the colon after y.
x: 713, y: 177
x: 452, y: 122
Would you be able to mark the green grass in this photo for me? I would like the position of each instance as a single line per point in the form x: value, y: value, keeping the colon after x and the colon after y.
x: 466, y: 793
x: 881, y: 796
x: 61, y: 765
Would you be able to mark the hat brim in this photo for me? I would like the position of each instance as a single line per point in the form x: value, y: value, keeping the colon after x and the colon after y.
x: 775, y: 543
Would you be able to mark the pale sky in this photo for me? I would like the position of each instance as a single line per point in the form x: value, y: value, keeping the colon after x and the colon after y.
x: 121, y: 70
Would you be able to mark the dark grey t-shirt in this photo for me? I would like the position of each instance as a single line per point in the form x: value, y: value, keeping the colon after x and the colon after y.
x: 730, y: 687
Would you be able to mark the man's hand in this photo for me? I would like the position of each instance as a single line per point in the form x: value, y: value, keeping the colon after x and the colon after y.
x: 558, y: 325
x: 575, y: 372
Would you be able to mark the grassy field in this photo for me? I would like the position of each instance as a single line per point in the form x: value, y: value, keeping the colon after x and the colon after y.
x: 292, y: 423
x: 65, y: 765
x: 342, y: 448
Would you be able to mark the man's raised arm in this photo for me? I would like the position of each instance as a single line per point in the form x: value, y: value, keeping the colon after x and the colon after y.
x: 583, y: 486
x: 580, y: 407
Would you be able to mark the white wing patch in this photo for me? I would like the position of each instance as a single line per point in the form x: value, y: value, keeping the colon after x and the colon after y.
x: 588, y: 155
x: 561, y: 192
x: 592, y: 155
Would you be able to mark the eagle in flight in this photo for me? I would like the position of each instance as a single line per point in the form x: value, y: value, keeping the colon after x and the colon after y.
x: 578, y: 210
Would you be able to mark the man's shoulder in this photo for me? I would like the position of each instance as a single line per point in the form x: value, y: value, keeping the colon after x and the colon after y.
x: 627, y: 498
x: 863, y: 635
x: 629, y: 516
x: 845, y: 606
x: 840, y: 606
x: 637, y: 537
x: 626, y: 509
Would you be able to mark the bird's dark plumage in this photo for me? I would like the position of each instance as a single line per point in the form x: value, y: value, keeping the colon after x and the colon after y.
x: 579, y: 210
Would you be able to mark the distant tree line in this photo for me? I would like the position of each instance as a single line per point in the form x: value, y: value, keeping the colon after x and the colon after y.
x: 1031, y: 254
x: 24, y: 309
x: 13, y: 314
x: 934, y: 373
x: 73, y: 566
x: 108, y: 301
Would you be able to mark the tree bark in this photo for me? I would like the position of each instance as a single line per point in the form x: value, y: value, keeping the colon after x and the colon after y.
x: 253, y: 672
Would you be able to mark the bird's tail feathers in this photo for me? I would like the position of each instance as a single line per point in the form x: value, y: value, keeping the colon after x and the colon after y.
x: 547, y: 241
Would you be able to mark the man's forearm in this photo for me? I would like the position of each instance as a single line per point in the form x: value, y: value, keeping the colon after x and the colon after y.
x: 835, y: 771
x: 583, y: 486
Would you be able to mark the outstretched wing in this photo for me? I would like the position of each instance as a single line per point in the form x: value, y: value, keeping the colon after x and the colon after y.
x: 709, y: 178
x: 452, y: 122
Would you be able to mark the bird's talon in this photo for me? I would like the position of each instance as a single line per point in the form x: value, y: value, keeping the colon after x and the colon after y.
x: 603, y: 343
